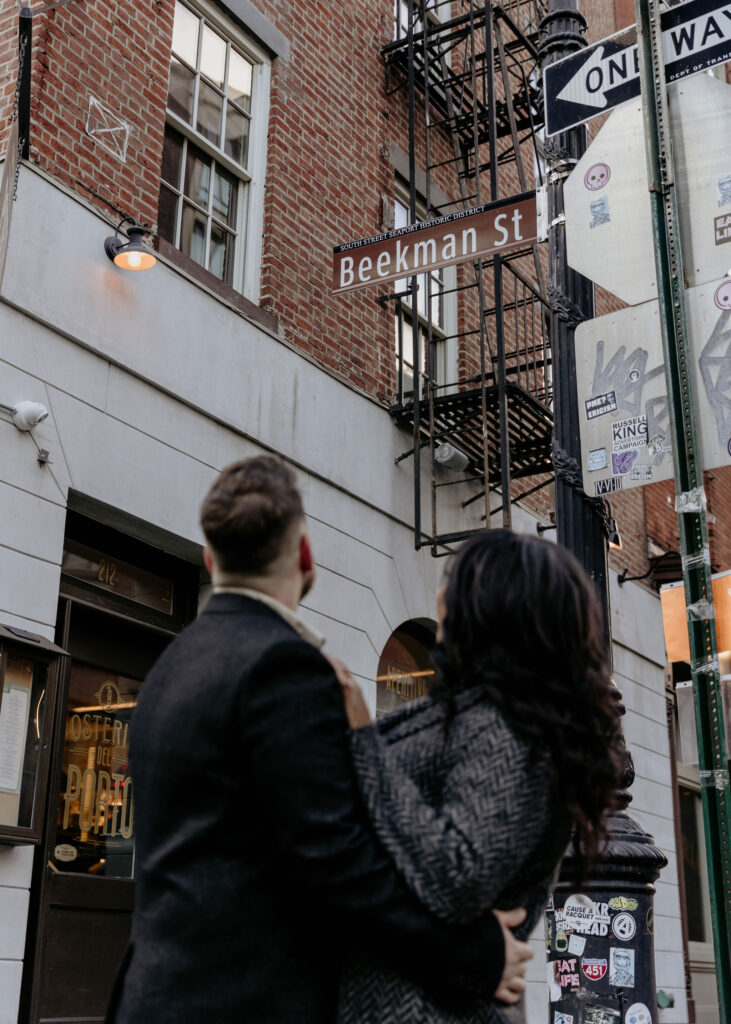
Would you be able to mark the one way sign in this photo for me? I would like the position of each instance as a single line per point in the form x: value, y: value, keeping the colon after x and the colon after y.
x: 696, y: 35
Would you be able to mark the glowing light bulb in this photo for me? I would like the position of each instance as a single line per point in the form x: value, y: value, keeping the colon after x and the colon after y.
x: 134, y: 260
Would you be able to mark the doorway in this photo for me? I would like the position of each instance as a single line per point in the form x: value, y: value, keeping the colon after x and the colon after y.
x: 121, y: 602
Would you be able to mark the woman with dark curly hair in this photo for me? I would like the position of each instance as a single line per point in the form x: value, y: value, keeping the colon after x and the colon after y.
x: 476, y: 790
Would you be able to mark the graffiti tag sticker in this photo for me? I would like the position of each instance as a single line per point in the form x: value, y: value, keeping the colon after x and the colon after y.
x: 624, y: 927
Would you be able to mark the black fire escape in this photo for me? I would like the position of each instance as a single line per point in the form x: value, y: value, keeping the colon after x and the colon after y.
x: 469, y: 72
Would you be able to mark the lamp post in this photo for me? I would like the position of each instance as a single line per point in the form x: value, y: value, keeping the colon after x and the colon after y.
x: 600, y: 939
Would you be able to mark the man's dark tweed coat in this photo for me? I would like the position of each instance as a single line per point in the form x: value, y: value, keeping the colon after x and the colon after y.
x: 472, y: 822
x: 254, y: 862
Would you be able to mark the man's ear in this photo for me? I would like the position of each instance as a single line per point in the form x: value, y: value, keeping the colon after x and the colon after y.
x: 208, y: 560
x: 305, y: 563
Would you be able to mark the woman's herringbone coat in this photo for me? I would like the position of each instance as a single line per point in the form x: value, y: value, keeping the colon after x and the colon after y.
x: 472, y: 820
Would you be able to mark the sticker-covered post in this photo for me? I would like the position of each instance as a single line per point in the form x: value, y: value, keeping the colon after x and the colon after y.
x: 582, y: 946
x: 690, y: 499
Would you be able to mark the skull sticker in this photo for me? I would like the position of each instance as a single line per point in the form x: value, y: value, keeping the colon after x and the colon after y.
x: 597, y: 177
x: 722, y: 298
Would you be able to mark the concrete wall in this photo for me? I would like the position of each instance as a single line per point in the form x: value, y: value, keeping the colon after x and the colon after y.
x: 153, y: 385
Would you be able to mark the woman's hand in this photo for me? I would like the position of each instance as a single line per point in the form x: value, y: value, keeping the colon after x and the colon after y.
x: 355, y: 706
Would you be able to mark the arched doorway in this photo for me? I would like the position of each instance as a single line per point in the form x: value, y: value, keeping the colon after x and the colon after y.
x: 405, y: 670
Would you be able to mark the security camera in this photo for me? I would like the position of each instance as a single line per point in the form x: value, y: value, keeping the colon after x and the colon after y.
x: 27, y: 415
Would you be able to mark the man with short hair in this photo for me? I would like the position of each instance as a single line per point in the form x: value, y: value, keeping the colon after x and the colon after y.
x: 254, y: 861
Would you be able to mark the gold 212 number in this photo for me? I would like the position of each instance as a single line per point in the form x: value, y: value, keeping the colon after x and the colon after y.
x: 107, y: 572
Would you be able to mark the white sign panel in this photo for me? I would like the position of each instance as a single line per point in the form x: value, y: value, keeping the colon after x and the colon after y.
x: 709, y: 323
x: 624, y: 415
x: 701, y: 118
x: 608, y: 217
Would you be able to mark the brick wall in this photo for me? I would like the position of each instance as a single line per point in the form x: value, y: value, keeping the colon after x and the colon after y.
x: 119, y: 54
x: 662, y: 522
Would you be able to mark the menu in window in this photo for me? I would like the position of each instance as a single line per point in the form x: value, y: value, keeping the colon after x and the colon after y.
x: 13, y: 727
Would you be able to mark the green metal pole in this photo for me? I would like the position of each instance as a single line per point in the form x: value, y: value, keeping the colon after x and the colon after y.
x: 690, y: 497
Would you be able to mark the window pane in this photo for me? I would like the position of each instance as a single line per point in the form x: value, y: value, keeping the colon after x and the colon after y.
x: 172, y: 151
x: 693, y: 852
x: 180, y: 90
x: 222, y: 253
x: 185, y: 34
x: 213, y: 56
x: 197, y: 176
x: 166, y: 214
x: 224, y: 197
x: 193, y: 234
x: 94, y: 833
x: 239, y: 80
x: 209, y: 113
x: 237, y: 135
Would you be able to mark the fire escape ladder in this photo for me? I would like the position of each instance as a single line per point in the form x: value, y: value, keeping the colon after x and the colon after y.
x: 469, y: 71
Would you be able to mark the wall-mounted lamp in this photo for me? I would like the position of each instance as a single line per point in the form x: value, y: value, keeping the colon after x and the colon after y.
x: 613, y: 539
x: 26, y: 415
x: 449, y: 457
x: 542, y: 527
x: 130, y: 255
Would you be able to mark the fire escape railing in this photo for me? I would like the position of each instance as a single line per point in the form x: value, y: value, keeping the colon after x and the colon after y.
x: 468, y: 69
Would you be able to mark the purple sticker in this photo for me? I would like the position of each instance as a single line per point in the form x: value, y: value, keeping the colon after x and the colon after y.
x: 622, y: 462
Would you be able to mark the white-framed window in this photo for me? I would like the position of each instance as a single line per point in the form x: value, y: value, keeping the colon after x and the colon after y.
x: 436, y: 312
x: 214, y: 155
x: 437, y: 10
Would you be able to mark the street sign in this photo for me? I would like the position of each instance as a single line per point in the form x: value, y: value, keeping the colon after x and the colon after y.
x: 624, y: 413
x: 696, y: 35
x: 488, y: 230
x: 708, y: 308
x: 609, y: 235
x: 623, y: 405
x: 608, y: 220
x: 700, y: 116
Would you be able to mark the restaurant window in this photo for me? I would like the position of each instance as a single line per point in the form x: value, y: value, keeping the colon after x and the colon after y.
x: 214, y: 150
x: 122, y: 602
x: 405, y: 670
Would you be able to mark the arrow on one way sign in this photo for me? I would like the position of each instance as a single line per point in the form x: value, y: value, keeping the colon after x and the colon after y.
x: 696, y: 35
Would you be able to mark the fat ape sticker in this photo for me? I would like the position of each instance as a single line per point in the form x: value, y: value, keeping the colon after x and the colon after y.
x: 597, y: 177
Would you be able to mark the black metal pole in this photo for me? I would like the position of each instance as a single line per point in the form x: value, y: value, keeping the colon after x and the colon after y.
x: 600, y: 939
x: 580, y: 521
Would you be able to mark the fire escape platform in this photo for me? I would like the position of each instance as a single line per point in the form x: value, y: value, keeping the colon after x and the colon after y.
x: 458, y: 419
